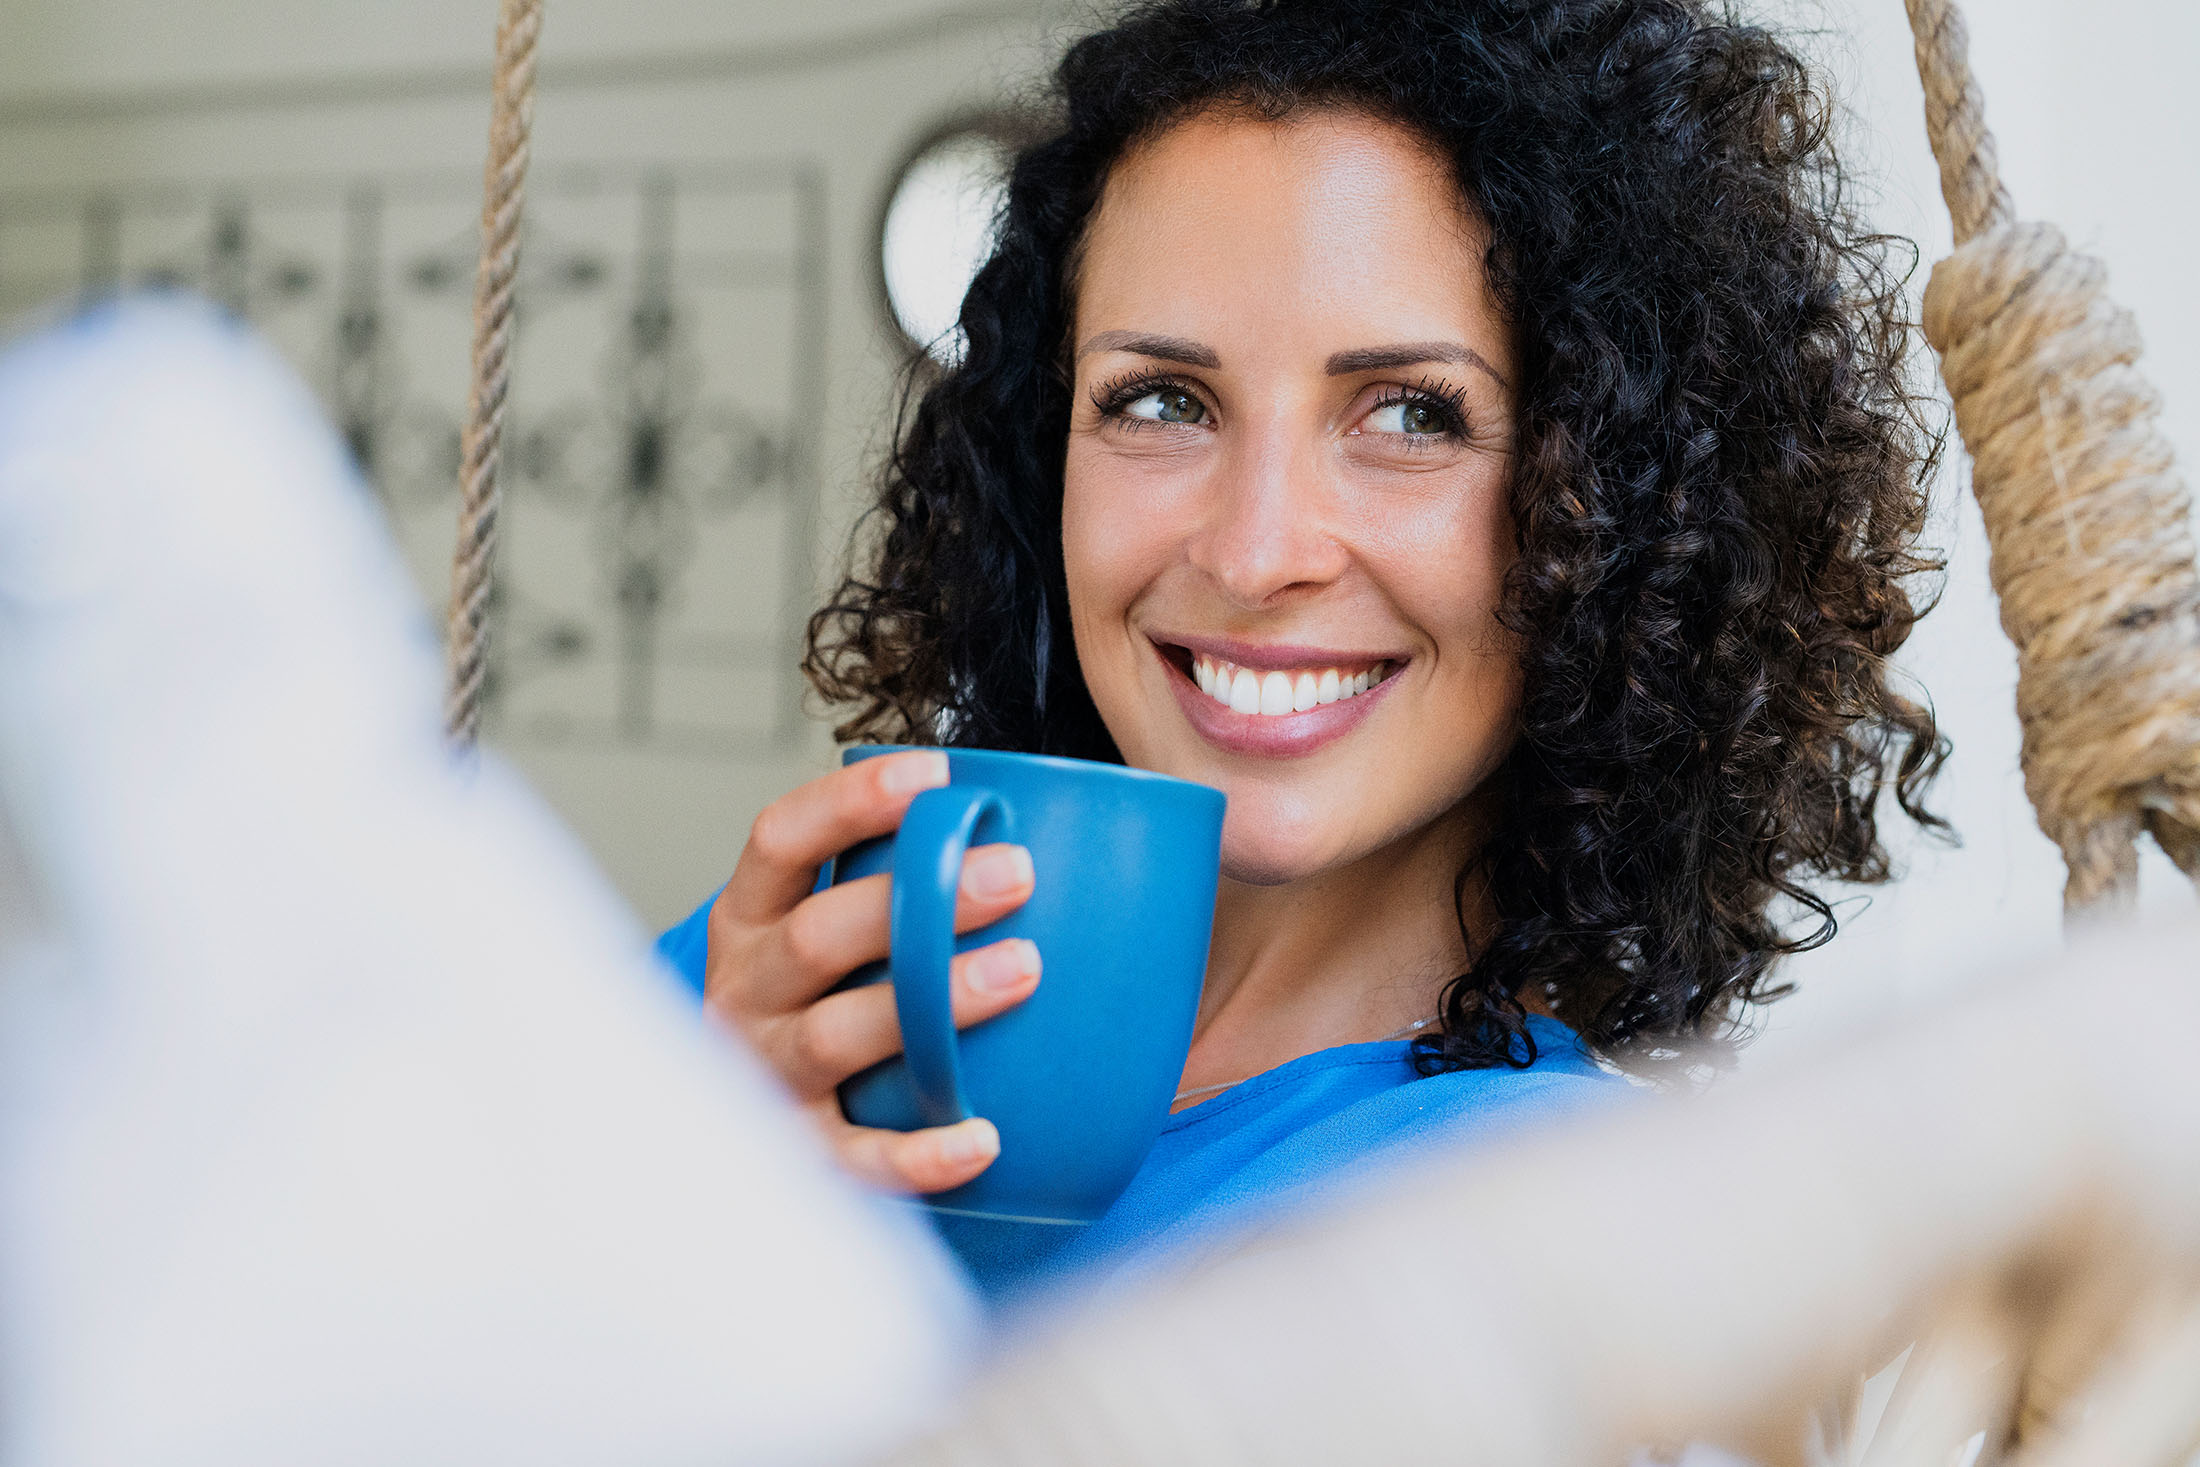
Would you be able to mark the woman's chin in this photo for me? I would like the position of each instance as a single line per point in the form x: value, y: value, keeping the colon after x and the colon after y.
x: 1271, y: 859
x: 1275, y: 835
x: 1276, y: 838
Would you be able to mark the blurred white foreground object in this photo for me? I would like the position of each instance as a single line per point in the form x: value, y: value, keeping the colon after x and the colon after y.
x: 346, y: 1120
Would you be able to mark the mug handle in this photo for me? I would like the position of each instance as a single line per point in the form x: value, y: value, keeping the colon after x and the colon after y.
x: 928, y: 856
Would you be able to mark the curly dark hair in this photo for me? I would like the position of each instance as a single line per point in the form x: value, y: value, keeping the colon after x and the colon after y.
x: 1717, y: 486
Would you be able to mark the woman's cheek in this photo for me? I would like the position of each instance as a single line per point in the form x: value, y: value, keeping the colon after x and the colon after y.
x: 1088, y: 555
x: 1118, y: 522
x: 1108, y: 557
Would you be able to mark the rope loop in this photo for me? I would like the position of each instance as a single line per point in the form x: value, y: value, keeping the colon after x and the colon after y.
x: 2088, y: 523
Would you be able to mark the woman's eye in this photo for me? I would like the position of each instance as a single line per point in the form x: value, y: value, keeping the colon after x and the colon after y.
x: 1408, y: 416
x: 1166, y: 405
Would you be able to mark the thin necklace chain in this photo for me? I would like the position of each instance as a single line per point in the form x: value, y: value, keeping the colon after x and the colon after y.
x: 1413, y: 1028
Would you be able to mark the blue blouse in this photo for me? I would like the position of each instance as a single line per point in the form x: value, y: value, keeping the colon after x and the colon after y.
x: 1281, y: 1139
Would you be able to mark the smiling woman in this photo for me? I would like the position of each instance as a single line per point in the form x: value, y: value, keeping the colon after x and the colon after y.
x: 1473, y: 435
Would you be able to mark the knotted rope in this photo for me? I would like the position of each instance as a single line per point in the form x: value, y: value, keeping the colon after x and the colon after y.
x: 2087, y: 519
x: 519, y: 23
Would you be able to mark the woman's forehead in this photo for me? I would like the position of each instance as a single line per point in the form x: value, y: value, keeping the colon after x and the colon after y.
x: 1229, y: 222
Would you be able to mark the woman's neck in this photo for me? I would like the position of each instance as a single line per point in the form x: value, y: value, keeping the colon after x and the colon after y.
x: 1351, y: 954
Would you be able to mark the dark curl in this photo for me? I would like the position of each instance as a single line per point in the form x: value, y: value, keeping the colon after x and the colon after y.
x: 1717, y: 493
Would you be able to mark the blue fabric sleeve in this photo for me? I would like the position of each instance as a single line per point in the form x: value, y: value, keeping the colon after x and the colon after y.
x: 685, y: 945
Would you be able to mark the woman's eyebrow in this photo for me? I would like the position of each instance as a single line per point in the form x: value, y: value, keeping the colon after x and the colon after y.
x: 1162, y: 348
x: 1410, y: 354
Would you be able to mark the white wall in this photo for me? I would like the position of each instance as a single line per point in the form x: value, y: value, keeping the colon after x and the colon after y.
x: 2091, y: 100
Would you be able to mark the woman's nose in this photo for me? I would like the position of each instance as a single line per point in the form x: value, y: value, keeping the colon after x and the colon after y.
x: 1266, y: 530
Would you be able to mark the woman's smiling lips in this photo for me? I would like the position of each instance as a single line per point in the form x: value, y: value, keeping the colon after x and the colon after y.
x: 1277, y: 671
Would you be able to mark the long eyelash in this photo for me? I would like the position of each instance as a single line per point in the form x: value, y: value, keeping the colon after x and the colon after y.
x: 1449, y: 402
x: 1116, y: 393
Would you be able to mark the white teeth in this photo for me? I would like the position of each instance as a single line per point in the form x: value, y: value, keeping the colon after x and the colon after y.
x: 1274, y: 694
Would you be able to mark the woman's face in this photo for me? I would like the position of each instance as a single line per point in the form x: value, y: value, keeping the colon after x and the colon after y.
x: 1285, y: 515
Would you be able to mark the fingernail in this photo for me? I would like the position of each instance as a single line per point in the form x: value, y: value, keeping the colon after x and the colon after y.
x: 971, y: 1140
x: 1005, y: 965
x: 997, y: 872
x: 907, y: 772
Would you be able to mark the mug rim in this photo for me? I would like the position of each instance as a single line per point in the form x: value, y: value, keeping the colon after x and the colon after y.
x: 1061, y: 762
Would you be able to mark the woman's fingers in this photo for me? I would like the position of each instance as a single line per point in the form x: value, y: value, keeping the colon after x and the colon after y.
x: 850, y: 1031
x: 830, y: 935
x: 804, y: 828
x: 919, y: 1161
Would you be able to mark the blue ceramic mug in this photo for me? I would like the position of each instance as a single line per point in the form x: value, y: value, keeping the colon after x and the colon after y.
x: 1079, y: 1077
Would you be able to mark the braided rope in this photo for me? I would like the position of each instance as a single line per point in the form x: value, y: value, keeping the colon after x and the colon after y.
x: 519, y: 24
x: 2087, y: 520
x: 1955, y: 119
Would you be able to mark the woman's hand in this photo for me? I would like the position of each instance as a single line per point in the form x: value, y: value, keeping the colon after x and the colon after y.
x: 775, y: 950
